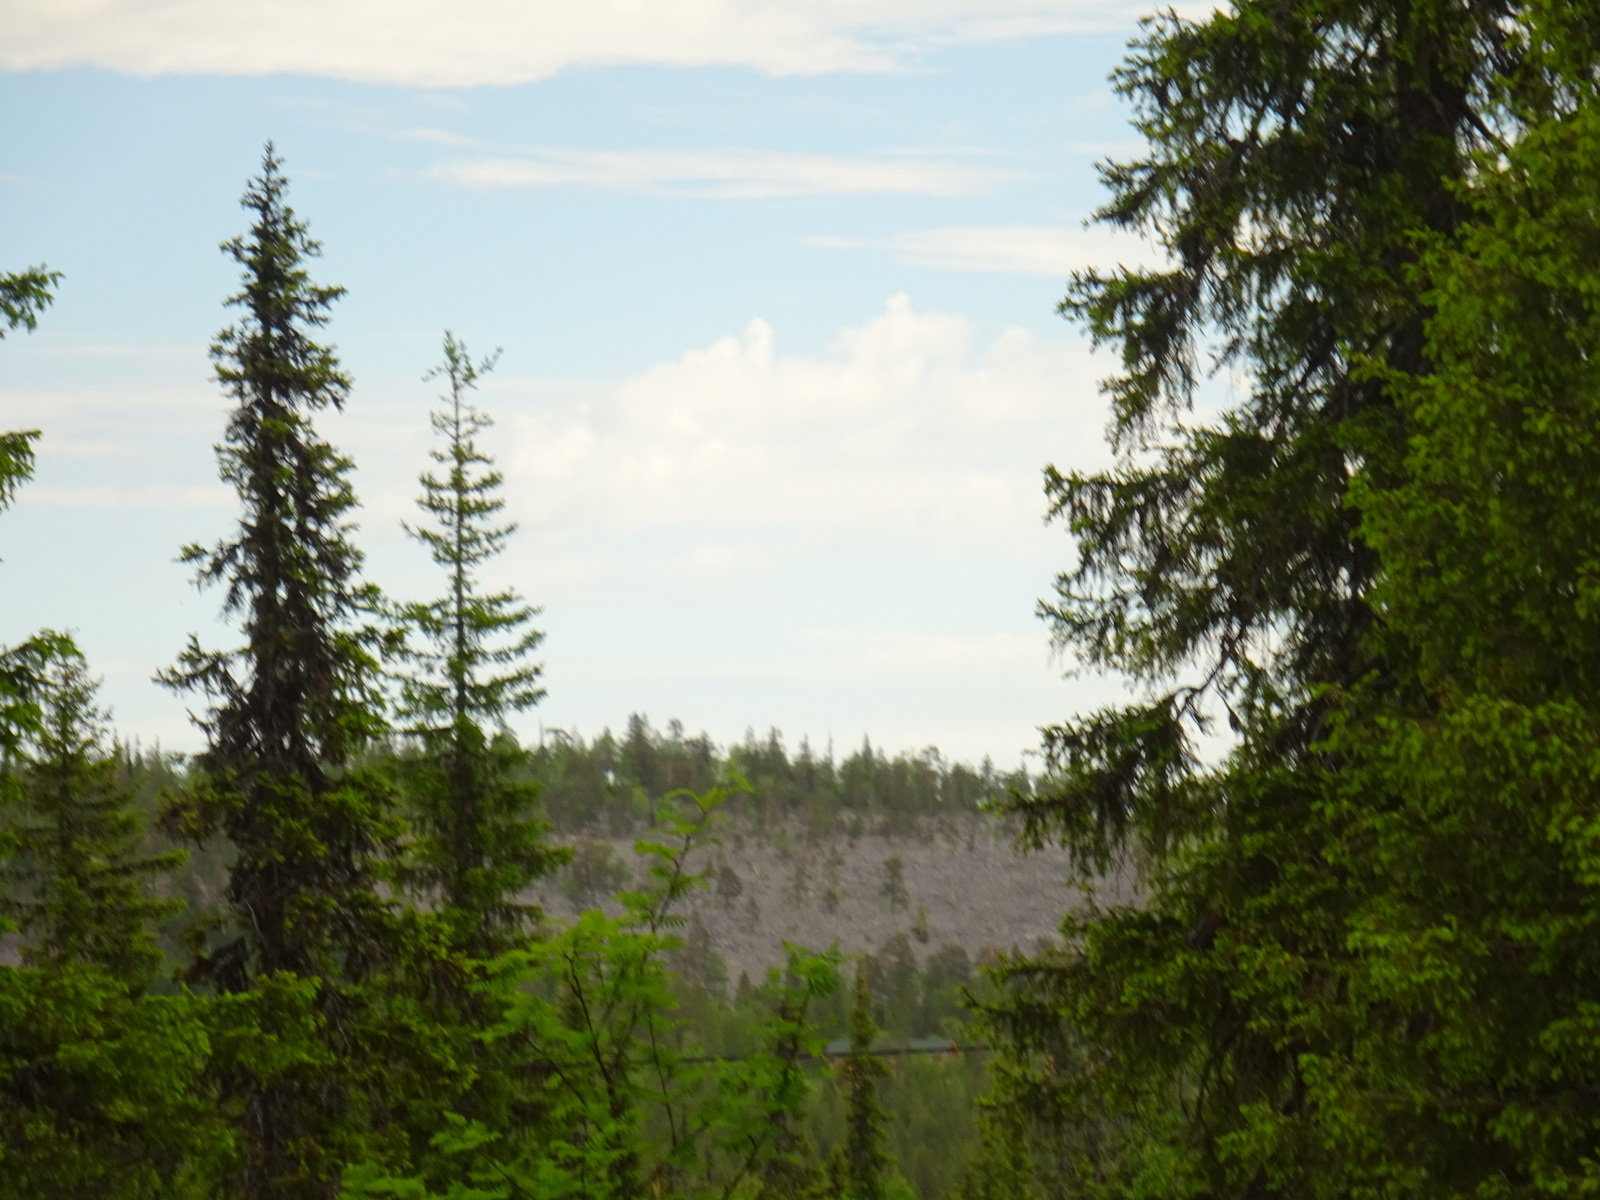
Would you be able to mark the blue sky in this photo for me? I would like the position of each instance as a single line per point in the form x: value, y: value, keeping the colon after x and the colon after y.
x: 775, y: 286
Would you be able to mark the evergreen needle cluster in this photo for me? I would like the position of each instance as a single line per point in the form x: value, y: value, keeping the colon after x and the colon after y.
x: 77, y: 885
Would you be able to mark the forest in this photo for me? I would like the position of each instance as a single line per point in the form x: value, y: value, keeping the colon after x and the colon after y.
x: 1347, y: 557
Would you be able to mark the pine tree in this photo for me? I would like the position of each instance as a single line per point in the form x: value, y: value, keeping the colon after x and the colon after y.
x: 286, y: 714
x: 79, y: 886
x: 482, y: 842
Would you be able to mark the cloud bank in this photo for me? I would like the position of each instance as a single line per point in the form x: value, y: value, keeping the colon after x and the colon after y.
x: 906, y: 431
x: 725, y: 174
x: 452, y: 43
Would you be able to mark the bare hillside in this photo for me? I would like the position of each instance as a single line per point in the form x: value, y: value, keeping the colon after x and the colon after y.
x: 945, y: 884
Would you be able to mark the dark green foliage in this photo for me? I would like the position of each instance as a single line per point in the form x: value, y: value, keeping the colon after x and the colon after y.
x: 862, y: 1163
x: 16, y: 462
x: 103, y: 1094
x: 482, y: 842
x: 23, y: 295
x: 614, y: 783
x: 1299, y: 152
x: 22, y: 670
x: 1468, y: 813
x: 893, y: 888
x: 78, y: 885
x: 1295, y: 152
x: 594, y: 872
x: 285, y: 714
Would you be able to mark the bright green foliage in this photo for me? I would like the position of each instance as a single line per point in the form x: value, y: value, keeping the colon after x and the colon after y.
x: 1470, y: 820
x: 1005, y: 1168
x: 481, y: 842
x: 1298, y: 152
x: 22, y: 670
x: 286, y: 713
x: 862, y: 1164
x: 619, y: 1105
x: 103, y: 1094
x: 78, y: 885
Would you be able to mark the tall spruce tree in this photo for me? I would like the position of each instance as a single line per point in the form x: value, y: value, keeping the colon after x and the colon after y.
x: 1298, y: 153
x: 286, y: 714
x: 482, y: 841
x: 78, y: 885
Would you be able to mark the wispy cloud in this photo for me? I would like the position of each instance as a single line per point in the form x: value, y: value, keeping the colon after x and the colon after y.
x: 733, y: 173
x: 1006, y: 249
x: 148, y: 495
x: 469, y: 42
x: 437, y: 137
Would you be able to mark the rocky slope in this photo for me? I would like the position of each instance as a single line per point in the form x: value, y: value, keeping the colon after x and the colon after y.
x: 945, y: 883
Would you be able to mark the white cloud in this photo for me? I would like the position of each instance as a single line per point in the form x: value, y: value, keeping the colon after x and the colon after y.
x: 1010, y: 249
x: 468, y: 42
x: 906, y: 429
x: 725, y: 173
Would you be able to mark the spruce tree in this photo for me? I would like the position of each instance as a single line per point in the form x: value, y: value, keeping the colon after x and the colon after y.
x: 482, y: 841
x: 78, y: 885
x: 102, y: 1093
x: 1297, y: 156
x: 286, y: 714
x: 863, y: 1163
x: 1467, y: 811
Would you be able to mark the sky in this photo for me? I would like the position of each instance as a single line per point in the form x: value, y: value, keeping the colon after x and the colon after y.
x: 775, y: 285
